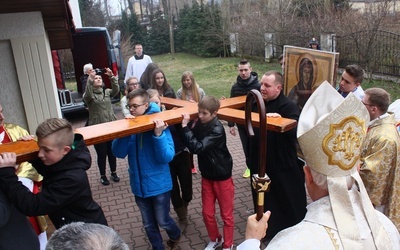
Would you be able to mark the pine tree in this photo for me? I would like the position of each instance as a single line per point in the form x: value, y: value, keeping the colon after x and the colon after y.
x: 132, y: 28
x: 200, y: 30
x: 157, y: 40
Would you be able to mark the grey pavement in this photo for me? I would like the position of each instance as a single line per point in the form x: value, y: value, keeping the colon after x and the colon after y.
x: 124, y: 216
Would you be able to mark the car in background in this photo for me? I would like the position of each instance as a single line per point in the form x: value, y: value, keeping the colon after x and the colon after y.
x: 90, y: 45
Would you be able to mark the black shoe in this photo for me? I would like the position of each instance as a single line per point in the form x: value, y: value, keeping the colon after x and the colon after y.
x: 173, y: 244
x: 115, y: 177
x: 104, y: 180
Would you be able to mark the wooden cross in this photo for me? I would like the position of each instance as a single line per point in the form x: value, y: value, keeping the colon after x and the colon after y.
x: 229, y: 111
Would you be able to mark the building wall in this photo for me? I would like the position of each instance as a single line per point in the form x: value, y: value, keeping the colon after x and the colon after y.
x: 10, y: 94
x: 362, y: 6
x: 28, y: 90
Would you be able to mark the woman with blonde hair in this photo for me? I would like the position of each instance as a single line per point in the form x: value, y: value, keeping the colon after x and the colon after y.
x: 190, y: 91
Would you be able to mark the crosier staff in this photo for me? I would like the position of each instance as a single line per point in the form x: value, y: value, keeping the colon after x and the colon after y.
x: 261, y: 180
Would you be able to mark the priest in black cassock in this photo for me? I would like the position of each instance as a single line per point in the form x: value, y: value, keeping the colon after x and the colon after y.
x: 286, y: 198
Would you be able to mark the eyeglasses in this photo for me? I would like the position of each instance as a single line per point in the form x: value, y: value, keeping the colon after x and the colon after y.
x: 366, y: 104
x: 134, y: 106
x: 133, y: 84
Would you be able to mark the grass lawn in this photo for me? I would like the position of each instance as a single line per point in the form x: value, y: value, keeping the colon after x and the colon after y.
x: 216, y: 75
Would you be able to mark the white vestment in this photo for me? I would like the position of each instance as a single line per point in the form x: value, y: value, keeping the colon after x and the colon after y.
x: 136, y: 67
x: 318, y: 230
x: 359, y: 93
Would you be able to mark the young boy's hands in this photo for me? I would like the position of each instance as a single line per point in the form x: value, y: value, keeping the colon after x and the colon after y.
x: 8, y: 160
x: 130, y: 116
x: 185, y: 120
x: 160, y: 127
x: 273, y: 115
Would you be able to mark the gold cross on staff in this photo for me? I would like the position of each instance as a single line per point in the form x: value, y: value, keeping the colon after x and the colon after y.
x: 28, y: 150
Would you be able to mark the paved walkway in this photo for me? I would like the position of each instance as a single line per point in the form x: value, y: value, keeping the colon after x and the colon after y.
x: 123, y: 214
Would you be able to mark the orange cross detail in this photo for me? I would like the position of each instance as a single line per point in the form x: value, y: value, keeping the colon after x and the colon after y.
x: 229, y: 111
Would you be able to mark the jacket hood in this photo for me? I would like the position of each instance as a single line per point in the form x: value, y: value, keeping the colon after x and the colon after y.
x: 253, y: 78
x: 153, y: 108
x: 78, y: 157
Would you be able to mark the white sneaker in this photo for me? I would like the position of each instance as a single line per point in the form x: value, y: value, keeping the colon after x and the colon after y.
x: 214, y: 244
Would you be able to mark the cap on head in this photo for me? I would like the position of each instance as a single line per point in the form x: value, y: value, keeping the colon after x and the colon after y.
x: 313, y: 41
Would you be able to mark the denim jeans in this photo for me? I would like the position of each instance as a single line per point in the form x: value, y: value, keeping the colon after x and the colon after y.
x: 155, y: 213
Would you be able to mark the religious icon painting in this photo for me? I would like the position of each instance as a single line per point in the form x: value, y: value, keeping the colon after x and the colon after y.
x: 305, y: 69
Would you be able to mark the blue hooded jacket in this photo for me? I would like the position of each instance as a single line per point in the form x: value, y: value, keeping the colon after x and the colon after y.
x: 148, y: 158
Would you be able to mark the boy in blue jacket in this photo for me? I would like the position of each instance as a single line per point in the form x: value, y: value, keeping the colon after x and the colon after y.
x: 148, y: 156
x: 207, y: 139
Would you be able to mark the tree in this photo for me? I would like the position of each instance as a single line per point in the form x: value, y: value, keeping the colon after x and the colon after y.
x: 200, y: 30
x: 132, y: 28
x: 157, y: 40
x: 92, y: 14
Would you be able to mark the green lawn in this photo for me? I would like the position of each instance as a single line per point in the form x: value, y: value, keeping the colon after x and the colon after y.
x: 216, y: 75
x: 392, y: 87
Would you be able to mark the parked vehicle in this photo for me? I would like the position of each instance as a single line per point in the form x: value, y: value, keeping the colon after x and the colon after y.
x: 90, y: 45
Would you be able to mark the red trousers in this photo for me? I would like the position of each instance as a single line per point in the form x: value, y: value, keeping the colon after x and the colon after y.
x: 223, y: 192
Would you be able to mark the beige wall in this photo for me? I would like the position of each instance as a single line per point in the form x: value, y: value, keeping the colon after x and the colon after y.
x: 28, y: 93
x: 394, y: 6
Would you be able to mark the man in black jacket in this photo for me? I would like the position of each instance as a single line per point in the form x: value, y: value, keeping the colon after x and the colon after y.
x: 63, y: 160
x: 286, y: 198
x: 246, y: 81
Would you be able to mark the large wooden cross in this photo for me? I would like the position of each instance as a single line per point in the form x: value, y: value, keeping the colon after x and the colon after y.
x: 229, y: 111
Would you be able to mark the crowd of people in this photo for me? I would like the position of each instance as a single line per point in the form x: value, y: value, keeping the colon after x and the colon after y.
x: 349, y: 168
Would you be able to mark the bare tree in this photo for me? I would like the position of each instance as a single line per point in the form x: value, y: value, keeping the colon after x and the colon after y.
x: 141, y: 9
x: 294, y: 22
x: 106, y: 8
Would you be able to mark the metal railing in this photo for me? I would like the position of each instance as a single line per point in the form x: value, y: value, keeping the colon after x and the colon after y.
x: 376, y: 51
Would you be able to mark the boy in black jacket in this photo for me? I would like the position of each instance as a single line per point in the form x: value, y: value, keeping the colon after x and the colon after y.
x: 63, y: 160
x: 207, y: 139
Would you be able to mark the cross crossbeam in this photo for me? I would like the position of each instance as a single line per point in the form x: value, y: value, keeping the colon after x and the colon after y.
x: 27, y: 150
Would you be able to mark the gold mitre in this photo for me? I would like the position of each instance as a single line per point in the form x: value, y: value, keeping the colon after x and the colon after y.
x: 331, y: 130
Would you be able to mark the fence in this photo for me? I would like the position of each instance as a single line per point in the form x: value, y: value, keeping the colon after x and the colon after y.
x: 376, y: 51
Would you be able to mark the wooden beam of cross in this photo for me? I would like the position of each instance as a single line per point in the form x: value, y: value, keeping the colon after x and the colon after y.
x: 28, y: 150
